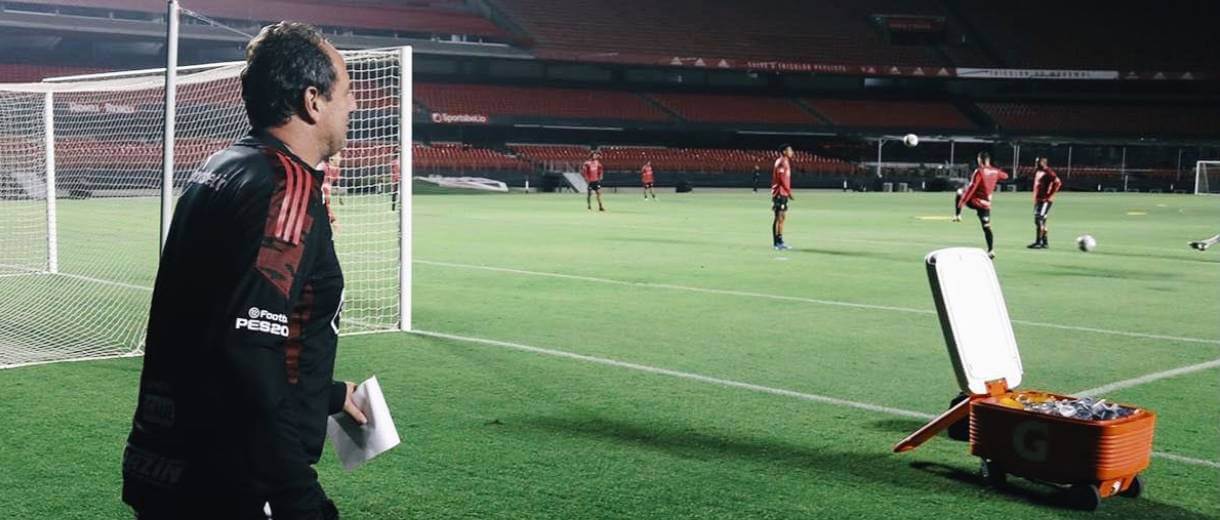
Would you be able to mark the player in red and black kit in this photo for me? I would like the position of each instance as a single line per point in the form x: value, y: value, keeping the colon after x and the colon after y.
x: 330, y: 181
x: 781, y: 193
x: 395, y: 181
x: 1046, y: 185
x: 243, y: 328
x: 977, y: 196
x: 647, y: 179
x: 592, y: 171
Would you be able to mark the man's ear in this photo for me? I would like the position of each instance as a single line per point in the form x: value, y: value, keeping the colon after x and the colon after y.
x: 311, y: 104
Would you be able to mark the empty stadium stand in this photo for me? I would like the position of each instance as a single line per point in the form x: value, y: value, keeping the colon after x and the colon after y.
x: 457, y: 156
x: 1095, y: 34
x: 891, y: 114
x: 715, y: 108
x: 430, y: 17
x: 706, y: 160
x: 1153, y: 121
x: 536, y: 102
x: 825, y: 32
x: 28, y: 72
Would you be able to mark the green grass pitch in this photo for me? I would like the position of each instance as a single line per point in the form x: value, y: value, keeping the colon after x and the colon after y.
x: 648, y: 324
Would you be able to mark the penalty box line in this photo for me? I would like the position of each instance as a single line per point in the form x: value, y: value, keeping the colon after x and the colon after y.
x: 734, y: 384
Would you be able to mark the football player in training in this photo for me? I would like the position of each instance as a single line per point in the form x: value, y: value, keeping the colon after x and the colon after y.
x: 647, y: 179
x: 1046, y: 185
x: 1202, y: 245
x: 592, y: 171
x: 395, y: 178
x: 977, y: 196
x: 330, y: 178
x: 781, y: 193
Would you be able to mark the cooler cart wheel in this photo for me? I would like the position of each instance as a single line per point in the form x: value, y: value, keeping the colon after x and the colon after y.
x: 1135, y: 489
x: 992, y: 473
x: 1085, y: 496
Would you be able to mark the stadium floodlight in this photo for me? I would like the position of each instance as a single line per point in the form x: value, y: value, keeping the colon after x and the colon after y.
x: 1207, y: 177
x: 81, y: 182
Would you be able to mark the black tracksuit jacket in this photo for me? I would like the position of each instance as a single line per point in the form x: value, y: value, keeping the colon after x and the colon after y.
x: 239, y: 357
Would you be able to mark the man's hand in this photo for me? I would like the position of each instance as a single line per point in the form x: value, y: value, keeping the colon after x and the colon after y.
x: 350, y: 407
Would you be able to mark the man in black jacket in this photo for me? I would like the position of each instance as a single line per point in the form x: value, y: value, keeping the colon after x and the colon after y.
x: 239, y: 357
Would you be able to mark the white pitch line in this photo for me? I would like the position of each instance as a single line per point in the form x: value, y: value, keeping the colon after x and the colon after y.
x: 1186, y: 460
x: 679, y: 287
x: 1156, y: 376
x: 963, y: 241
x: 736, y: 384
x: 835, y: 303
x: 683, y: 375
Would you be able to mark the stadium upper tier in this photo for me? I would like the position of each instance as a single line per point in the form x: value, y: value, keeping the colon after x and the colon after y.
x: 792, y: 30
x: 415, y: 16
x: 1097, y: 34
x: 1125, y: 36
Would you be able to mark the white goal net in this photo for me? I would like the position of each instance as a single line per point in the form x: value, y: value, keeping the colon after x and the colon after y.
x: 80, y: 185
x: 1207, y: 177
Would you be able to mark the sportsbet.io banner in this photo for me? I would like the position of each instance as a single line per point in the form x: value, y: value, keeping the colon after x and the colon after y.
x: 459, y: 119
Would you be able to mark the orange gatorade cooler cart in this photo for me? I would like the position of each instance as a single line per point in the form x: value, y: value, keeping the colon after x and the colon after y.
x: 1094, y: 448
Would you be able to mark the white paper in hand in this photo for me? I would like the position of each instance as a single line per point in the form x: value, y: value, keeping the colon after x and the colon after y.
x: 356, y: 444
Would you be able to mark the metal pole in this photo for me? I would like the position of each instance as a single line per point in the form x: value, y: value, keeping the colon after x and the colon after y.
x: 171, y: 85
x: 1123, y: 169
x: 48, y: 121
x: 405, y: 179
x: 1016, y: 159
x: 1069, y: 172
x: 1178, y: 178
x: 880, y: 142
x: 952, y: 151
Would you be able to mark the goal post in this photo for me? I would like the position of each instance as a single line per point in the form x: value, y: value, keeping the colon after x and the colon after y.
x: 1207, y: 178
x: 82, y: 169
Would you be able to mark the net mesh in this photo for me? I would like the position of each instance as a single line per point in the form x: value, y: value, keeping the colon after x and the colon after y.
x: 108, y: 147
x: 1207, y: 177
x: 23, y: 227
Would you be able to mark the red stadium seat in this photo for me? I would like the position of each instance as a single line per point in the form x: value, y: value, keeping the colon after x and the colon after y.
x: 892, y: 114
x: 536, y: 102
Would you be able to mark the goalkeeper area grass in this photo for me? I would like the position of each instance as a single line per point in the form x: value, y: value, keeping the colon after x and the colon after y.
x: 660, y: 360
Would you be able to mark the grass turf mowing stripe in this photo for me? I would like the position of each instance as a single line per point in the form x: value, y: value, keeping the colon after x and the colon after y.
x: 800, y: 299
x: 1148, y: 378
x: 683, y: 375
x: 736, y: 384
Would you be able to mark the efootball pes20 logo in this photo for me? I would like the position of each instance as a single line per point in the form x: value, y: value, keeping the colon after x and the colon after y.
x: 260, y: 320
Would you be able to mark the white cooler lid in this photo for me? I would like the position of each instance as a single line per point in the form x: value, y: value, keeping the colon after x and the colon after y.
x: 974, y: 318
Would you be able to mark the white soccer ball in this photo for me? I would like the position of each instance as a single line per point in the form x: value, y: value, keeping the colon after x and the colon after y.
x: 1086, y: 243
x: 911, y: 140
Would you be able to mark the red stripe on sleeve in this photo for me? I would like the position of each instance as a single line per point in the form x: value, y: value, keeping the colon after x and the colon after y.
x: 302, y: 206
x: 286, y: 204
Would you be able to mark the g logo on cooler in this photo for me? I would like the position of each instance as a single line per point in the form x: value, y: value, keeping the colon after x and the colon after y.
x: 1030, y: 441
x: 253, y: 312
